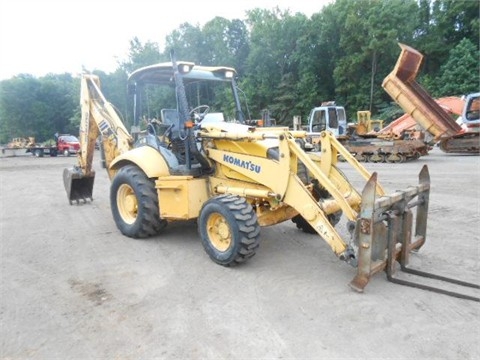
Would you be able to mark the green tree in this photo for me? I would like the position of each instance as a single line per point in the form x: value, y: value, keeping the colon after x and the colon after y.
x: 140, y: 55
x: 461, y: 73
x: 443, y: 24
x: 369, y: 34
x: 272, y: 67
x: 225, y: 42
x: 187, y: 42
x: 36, y: 107
x: 219, y: 42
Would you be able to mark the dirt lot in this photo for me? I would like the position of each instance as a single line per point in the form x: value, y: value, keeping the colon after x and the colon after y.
x: 72, y: 287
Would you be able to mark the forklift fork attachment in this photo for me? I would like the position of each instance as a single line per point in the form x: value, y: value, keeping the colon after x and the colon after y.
x: 77, y: 185
x: 393, y: 244
x: 385, y: 236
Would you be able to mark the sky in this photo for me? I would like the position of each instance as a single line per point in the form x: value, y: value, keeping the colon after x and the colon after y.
x: 53, y: 36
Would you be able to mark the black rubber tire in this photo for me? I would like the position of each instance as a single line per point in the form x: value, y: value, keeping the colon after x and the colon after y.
x: 318, y: 193
x: 305, y: 226
x: 38, y: 153
x: 235, y: 215
x: 146, y: 220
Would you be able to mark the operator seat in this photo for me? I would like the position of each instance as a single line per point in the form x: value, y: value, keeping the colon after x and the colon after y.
x: 177, y: 146
x: 169, y: 117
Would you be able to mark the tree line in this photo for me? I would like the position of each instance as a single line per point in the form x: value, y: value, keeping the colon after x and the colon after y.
x: 286, y: 62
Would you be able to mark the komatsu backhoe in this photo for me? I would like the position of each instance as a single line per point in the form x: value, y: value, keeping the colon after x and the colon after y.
x: 191, y: 156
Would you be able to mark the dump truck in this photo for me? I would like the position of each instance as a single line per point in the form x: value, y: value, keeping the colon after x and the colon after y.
x: 403, y: 88
x: 405, y: 124
x: 200, y: 161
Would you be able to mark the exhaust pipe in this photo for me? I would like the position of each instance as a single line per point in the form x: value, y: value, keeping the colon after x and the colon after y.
x: 78, y: 185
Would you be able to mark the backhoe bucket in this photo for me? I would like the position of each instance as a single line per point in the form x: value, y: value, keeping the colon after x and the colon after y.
x: 77, y: 185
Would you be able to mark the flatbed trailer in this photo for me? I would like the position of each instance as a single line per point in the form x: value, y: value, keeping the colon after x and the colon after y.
x: 38, y: 151
x: 41, y: 151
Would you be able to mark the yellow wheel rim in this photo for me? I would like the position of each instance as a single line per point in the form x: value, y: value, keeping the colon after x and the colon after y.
x: 219, y: 232
x: 127, y: 203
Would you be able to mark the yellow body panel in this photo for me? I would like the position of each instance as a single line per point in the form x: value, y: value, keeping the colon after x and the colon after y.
x: 181, y: 197
x: 254, y: 169
x: 146, y: 158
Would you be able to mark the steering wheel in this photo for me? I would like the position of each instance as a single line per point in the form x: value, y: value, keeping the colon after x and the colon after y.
x: 199, y: 112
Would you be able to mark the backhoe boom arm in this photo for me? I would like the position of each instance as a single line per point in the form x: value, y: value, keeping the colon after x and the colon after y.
x: 99, y: 119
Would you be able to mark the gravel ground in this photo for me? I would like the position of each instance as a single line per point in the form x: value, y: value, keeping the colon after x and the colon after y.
x: 72, y: 287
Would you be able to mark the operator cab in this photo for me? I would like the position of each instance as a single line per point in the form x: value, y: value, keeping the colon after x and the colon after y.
x: 328, y: 117
x: 472, y: 109
x: 182, y: 96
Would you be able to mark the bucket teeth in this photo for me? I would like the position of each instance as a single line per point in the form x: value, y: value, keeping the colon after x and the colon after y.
x: 79, y: 187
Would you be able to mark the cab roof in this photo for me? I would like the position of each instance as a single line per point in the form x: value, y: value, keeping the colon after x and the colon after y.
x: 163, y: 73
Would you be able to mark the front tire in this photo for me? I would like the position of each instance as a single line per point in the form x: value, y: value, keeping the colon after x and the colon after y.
x: 229, y: 229
x: 134, y: 203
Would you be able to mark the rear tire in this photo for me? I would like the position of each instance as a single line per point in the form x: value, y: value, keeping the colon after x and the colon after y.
x: 134, y: 203
x: 38, y: 153
x: 229, y: 229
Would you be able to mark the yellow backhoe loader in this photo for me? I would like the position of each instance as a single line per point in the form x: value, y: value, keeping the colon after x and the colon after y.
x: 197, y: 159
